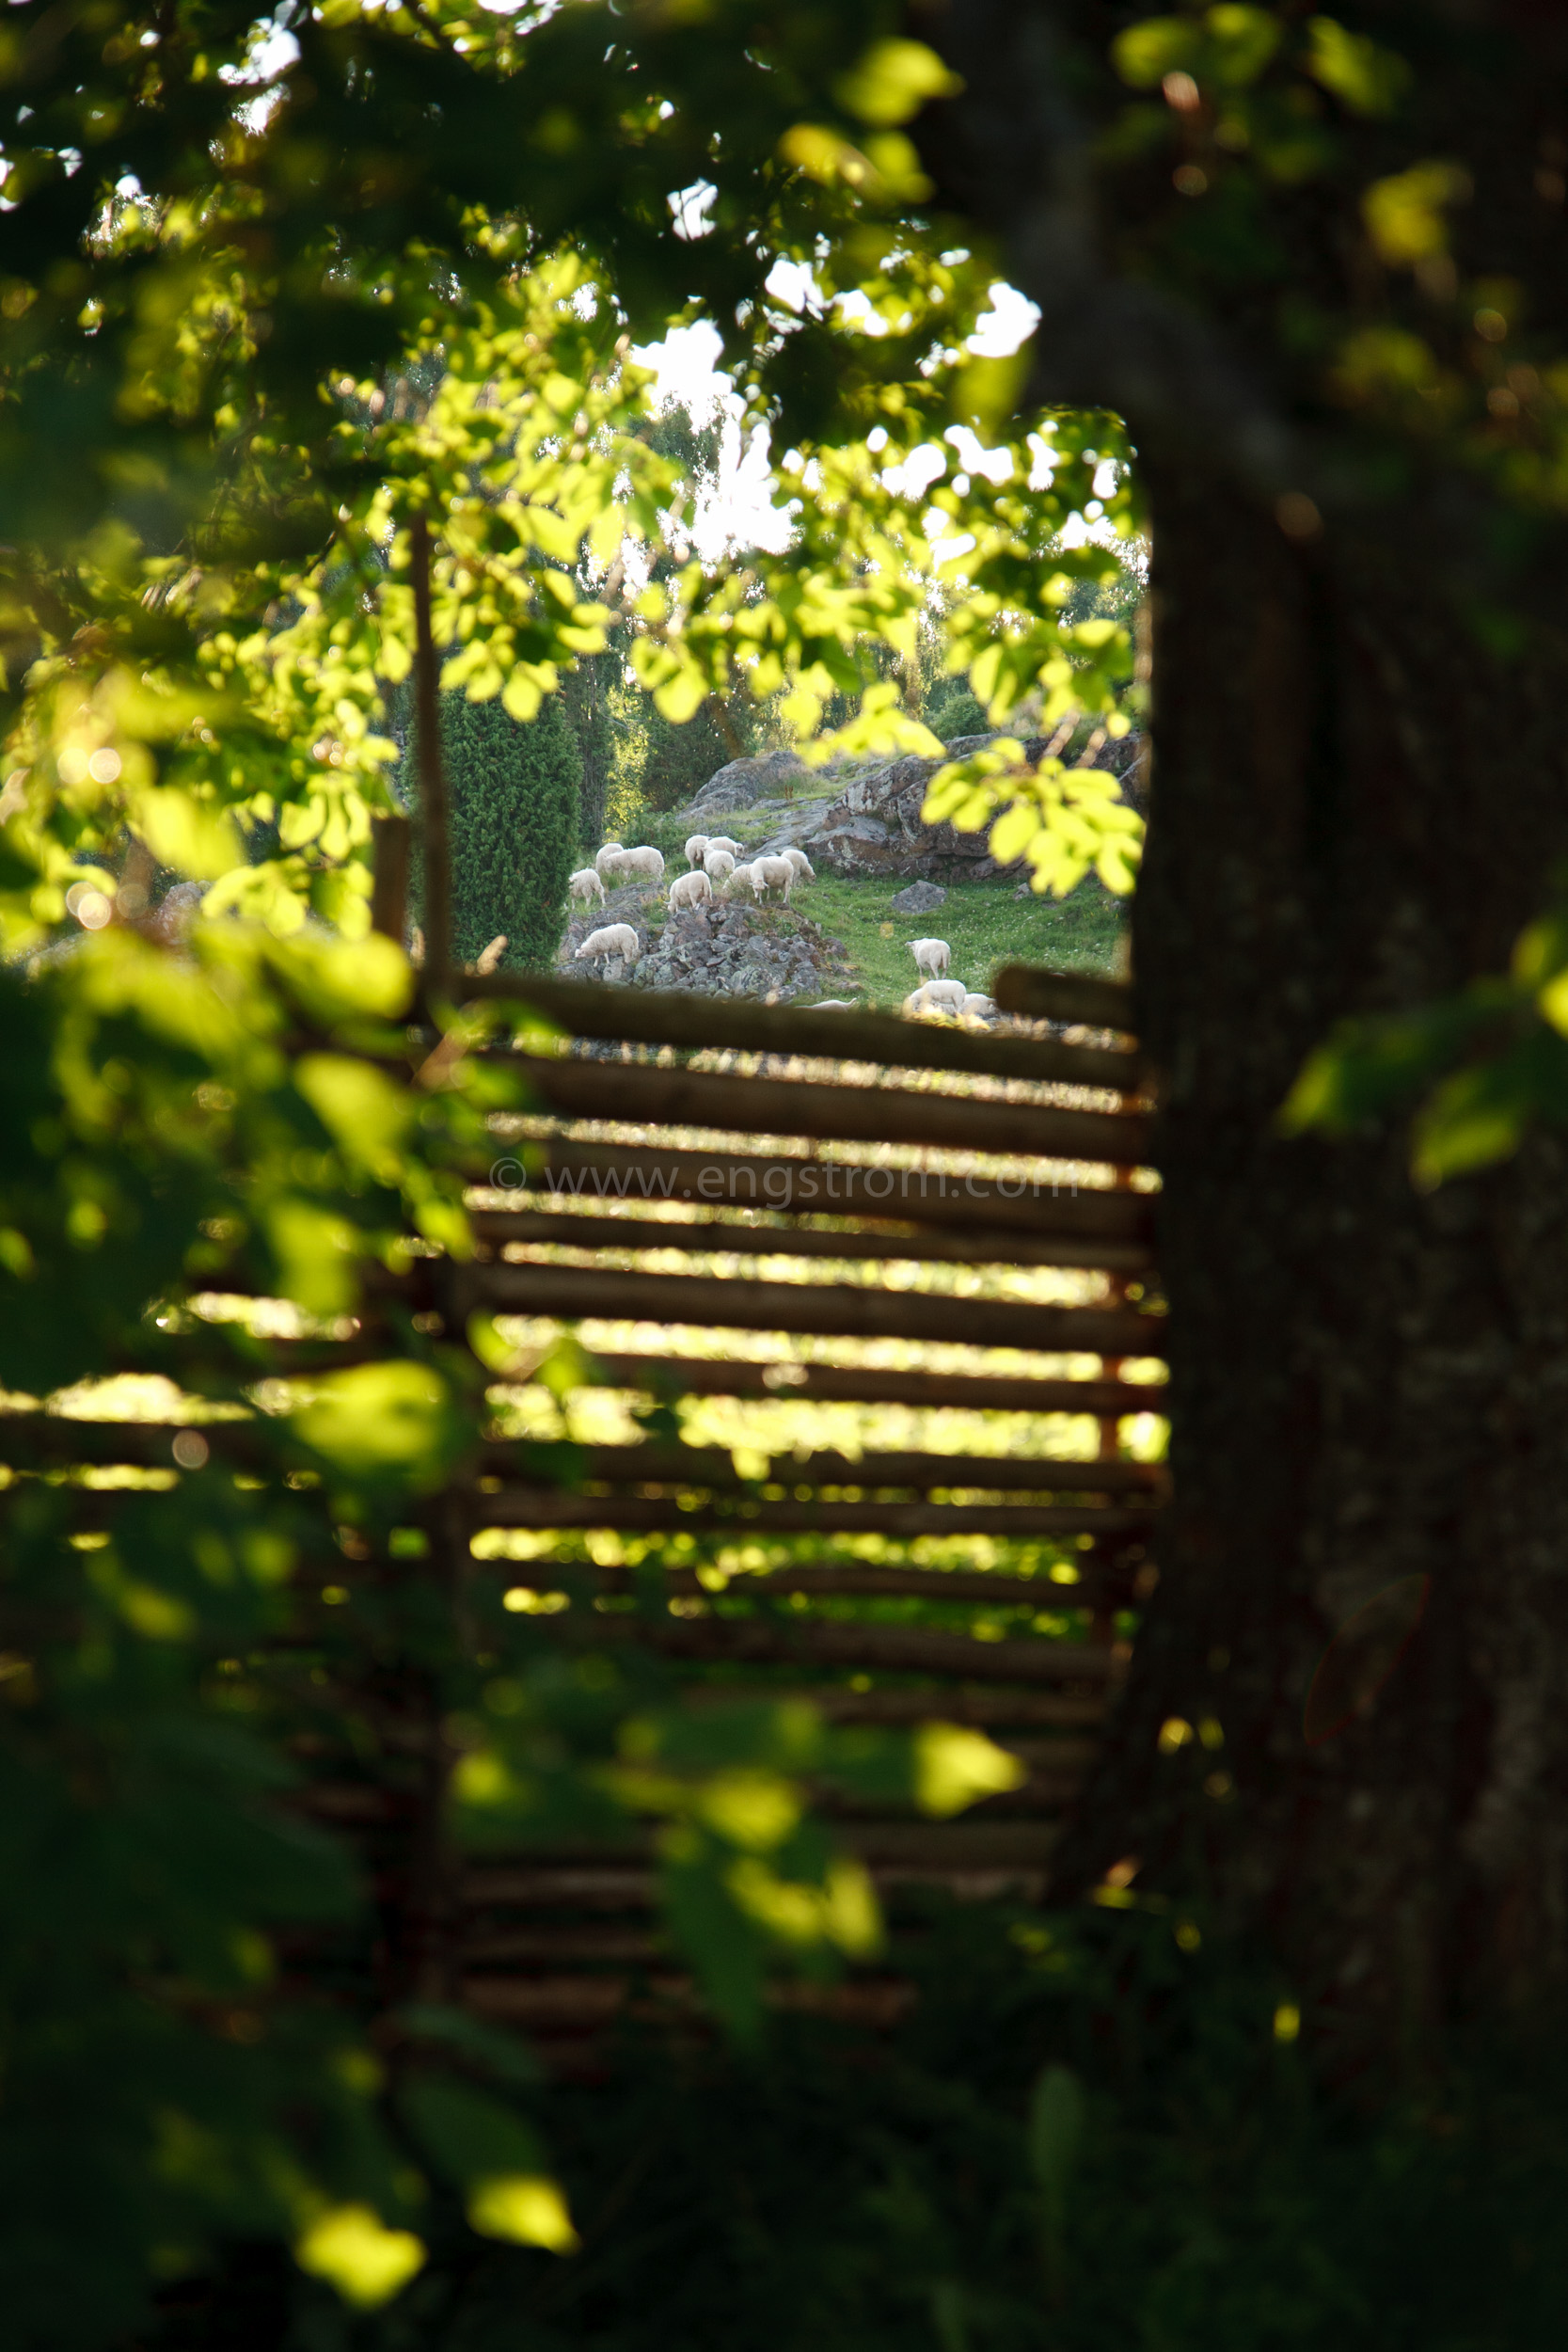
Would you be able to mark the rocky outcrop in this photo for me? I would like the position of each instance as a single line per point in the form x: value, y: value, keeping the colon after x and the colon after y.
x: 864, y: 818
x: 744, y: 781
x: 874, y: 827
x: 726, y: 951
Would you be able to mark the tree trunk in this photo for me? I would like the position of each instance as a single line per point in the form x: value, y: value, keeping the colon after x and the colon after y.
x: 586, y: 696
x: 1353, y: 810
x: 1363, y: 1607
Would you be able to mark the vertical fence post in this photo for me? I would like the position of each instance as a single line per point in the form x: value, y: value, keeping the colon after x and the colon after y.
x: 433, y: 784
x: 389, y: 846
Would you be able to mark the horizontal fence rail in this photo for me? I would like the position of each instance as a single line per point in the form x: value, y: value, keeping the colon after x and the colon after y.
x: 941, y: 1569
x: 633, y: 1092
x: 830, y: 1307
x: 1043, y: 1201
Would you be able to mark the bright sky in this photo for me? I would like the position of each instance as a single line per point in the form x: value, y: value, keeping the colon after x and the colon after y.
x: 746, y: 509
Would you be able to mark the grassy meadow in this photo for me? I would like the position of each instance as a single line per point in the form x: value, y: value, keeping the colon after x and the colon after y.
x: 984, y: 924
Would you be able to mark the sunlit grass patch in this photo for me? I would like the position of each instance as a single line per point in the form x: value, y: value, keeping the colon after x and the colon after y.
x: 984, y: 924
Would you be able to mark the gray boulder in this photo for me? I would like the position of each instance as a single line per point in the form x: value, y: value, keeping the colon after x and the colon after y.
x: 743, y: 782
x: 922, y: 897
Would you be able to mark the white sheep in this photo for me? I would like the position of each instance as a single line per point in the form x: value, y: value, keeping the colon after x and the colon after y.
x: 832, y: 1004
x: 718, y: 866
x: 722, y: 841
x: 750, y: 876
x: 605, y: 862
x: 691, y: 890
x: 615, y: 939
x: 804, y: 871
x: 584, y: 884
x: 931, y: 955
x: 648, y: 864
x: 777, y: 874
x: 928, y: 1000
x: 696, y: 849
x: 978, y: 1008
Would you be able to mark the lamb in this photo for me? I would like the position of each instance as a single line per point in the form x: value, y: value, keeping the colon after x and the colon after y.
x: 719, y: 865
x: 697, y: 848
x: 584, y: 882
x: 977, y: 1007
x: 691, y: 890
x: 722, y: 841
x: 777, y: 873
x: 931, y: 955
x: 605, y: 862
x: 935, y: 996
x: 647, y: 863
x: 615, y: 939
x: 804, y: 871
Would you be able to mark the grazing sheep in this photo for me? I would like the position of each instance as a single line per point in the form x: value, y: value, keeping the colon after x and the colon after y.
x: 615, y: 939
x: 751, y: 876
x: 585, y: 882
x: 722, y: 841
x: 696, y: 849
x: 950, y: 994
x: 691, y: 890
x: 718, y: 866
x: 804, y: 871
x: 491, y: 956
x: 648, y: 864
x: 605, y: 862
x: 931, y: 955
x: 921, y: 1002
x: 977, y: 1007
x: 777, y: 873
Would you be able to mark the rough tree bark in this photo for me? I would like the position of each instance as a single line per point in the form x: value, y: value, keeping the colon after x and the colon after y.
x: 1356, y: 807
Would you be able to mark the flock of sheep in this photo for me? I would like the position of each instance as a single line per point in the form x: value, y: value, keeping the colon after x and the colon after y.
x: 937, y: 993
x: 716, y: 862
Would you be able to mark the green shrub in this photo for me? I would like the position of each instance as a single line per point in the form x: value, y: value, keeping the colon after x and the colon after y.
x: 953, y: 710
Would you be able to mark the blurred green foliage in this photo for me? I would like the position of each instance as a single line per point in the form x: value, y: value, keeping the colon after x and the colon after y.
x: 1084, y: 2136
x: 210, y: 2036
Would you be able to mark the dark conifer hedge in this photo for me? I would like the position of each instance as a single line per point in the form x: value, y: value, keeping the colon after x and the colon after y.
x: 513, y: 793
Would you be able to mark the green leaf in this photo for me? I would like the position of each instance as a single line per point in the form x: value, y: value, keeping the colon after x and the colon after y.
x: 1404, y: 213
x: 1241, y: 40
x: 317, y: 1252
x: 1367, y: 79
x: 1475, y: 1119
x: 366, y: 1115
x: 955, y: 1768
x: 392, y: 1421
x: 893, y: 81
x: 469, y: 2136
x: 354, y: 2250
x: 1055, y: 2129
x: 1145, y: 53
x: 187, y: 835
